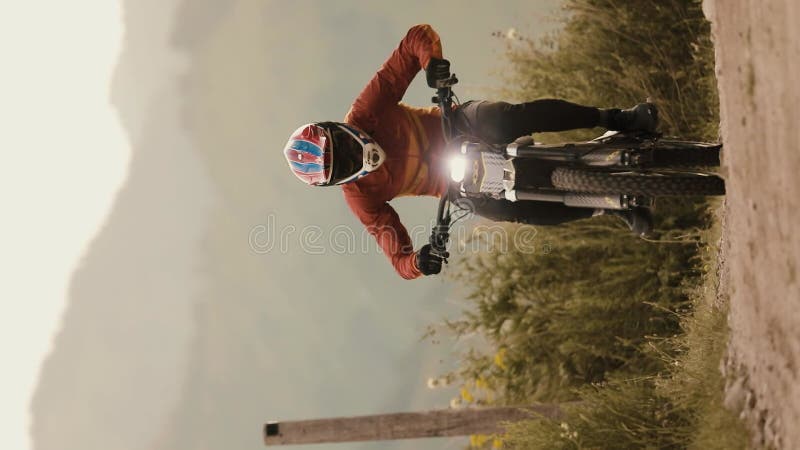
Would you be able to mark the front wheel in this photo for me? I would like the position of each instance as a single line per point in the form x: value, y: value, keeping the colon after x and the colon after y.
x: 652, y: 183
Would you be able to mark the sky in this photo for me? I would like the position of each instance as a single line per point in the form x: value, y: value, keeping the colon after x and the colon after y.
x: 65, y: 156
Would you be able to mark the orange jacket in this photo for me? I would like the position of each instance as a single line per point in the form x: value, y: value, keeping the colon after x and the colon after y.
x: 413, y: 142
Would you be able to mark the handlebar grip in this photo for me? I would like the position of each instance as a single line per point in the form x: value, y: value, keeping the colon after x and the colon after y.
x: 438, y: 241
x: 447, y: 82
x: 444, y: 254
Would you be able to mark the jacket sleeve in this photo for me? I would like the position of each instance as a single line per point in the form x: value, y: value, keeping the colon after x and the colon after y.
x: 389, y: 84
x: 383, y: 223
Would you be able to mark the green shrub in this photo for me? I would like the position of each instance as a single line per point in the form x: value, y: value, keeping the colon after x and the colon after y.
x: 578, y: 304
x: 617, y: 415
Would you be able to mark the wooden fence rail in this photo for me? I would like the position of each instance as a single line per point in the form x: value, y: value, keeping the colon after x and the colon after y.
x: 437, y: 423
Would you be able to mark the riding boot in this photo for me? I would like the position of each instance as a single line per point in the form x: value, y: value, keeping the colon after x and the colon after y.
x: 642, y: 117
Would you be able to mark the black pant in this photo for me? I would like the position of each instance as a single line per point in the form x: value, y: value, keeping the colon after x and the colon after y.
x: 501, y: 122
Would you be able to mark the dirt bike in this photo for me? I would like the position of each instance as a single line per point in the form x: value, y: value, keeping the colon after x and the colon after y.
x: 615, y: 171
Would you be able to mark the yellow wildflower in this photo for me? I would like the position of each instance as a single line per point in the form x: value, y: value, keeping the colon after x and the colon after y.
x: 497, y: 443
x: 477, y: 440
x: 481, y: 383
x: 466, y: 395
x: 499, y: 359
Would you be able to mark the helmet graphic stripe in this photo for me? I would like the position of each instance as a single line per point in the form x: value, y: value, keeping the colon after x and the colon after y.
x: 306, y: 167
x: 305, y: 146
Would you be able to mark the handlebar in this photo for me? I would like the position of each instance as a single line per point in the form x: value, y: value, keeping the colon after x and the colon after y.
x: 440, y: 235
x: 444, y: 98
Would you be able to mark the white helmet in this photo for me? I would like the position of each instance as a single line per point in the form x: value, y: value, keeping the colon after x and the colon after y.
x: 329, y: 153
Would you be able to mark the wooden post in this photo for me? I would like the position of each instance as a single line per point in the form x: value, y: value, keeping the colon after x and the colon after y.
x: 439, y: 423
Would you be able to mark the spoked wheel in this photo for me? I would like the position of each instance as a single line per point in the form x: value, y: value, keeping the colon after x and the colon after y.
x: 675, y: 153
x: 647, y: 182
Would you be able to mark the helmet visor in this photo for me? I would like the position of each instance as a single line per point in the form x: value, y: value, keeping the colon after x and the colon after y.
x: 348, y: 155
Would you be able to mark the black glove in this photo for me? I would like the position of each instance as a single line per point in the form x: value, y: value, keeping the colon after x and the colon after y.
x: 437, y: 70
x: 427, y: 263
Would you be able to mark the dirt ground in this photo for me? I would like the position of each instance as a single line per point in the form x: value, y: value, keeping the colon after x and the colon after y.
x: 758, y: 69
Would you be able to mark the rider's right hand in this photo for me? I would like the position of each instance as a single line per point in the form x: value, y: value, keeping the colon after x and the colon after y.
x: 437, y: 70
x: 427, y: 263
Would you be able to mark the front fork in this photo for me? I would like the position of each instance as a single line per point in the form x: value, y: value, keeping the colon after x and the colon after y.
x: 578, y: 200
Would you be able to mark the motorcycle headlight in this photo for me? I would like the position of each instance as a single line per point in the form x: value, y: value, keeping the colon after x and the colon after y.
x: 458, y: 165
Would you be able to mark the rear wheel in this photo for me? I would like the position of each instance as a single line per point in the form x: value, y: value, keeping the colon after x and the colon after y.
x: 650, y: 183
x: 674, y: 153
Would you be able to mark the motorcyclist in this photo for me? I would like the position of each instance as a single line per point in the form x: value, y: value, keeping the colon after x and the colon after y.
x: 385, y: 149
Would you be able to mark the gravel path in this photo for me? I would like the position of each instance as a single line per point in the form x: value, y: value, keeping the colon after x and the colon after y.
x: 758, y: 69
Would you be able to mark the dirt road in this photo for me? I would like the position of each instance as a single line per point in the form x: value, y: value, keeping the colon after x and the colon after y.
x: 758, y: 69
